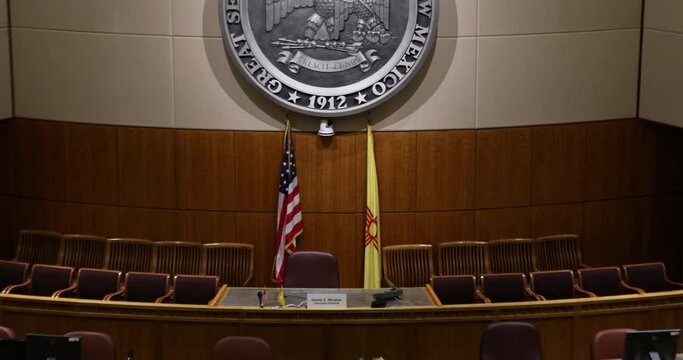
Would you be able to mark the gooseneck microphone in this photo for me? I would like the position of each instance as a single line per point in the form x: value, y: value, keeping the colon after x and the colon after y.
x: 260, y: 298
x: 130, y: 354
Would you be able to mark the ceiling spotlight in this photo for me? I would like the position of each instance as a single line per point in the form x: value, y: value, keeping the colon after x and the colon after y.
x: 325, y: 128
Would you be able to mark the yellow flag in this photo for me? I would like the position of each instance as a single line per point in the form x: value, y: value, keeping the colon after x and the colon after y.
x: 373, y: 244
x: 281, y: 296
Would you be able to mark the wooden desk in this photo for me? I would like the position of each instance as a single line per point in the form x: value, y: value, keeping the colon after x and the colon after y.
x: 170, y: 332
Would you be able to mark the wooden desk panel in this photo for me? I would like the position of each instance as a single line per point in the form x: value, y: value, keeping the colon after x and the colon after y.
x: 170, y: 332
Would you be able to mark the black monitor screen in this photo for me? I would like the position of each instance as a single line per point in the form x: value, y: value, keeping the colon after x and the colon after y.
x: 52, y: 347
x: 11, y: 349
x: 651, y: 345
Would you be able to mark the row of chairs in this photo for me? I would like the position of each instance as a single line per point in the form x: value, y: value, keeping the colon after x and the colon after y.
x: 412, y: 265
x: 233, y: 263
x: 552, y: 285
x: 100, y: 346
x: 99, y: 284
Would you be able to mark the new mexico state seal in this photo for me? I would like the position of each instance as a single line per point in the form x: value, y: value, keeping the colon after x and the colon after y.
x: 328, y: 57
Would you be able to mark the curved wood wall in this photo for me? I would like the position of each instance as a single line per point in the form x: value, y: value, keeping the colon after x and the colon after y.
x: 617, y: 183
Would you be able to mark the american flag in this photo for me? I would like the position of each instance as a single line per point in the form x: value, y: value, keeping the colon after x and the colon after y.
x: 289, y: 225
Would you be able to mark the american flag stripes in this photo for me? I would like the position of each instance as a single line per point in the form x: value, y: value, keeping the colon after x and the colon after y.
x: 289, y: 225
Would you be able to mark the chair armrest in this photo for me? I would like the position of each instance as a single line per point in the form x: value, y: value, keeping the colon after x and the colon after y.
x: 164, y: 297
x: 631, y: 289
x: 12, y: 288
x: 584, y: 266
x: 481, y: 296
x: 533, y: 295
x: 59, y: 293
x: 114, y: 295
x: 583, y: 292
x: 673, y: 284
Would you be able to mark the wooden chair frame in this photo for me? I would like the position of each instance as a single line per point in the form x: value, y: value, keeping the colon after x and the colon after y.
x: 386, y: 271
x: 511, y: 263
x: 243, y: 266
x: 469, y: 252
x: 545, y: 250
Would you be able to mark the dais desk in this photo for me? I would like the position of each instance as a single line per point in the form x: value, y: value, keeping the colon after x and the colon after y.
x: 170, y: 331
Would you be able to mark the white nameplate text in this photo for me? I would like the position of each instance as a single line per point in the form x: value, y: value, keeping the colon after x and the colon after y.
x: 326, y: 301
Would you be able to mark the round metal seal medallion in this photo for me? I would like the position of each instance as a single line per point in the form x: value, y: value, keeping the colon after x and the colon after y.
x: 328, y: 58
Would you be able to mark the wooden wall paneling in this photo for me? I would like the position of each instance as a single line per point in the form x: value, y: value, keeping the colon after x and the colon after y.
x: 41, y: 215
x: 6, y: 157
x: 258, y: 158
x: 91, y: 219
x: 336, y: 234
x: 144, y: 337
x: 206, y: 226
x: 445, y: 170
x: 146, y: 167
x: 258, y: 229
x: 437, y: 227
x: 41, y: 159
x: 150, y: 224
x: 557, y: 219
x: 361, y: 172
x: 669, y: 230
x: 462, y: 338
x: 398, y: 228
x: 8, y: 227
x: 502, y: 224
x: 396, y: 342
x: 205, y: 162
x: 91, y: 163
x: 669, y: 161
x: 503, y: 175
x: 638, y: 151
x: 38, y: 323
x: 395, y: 156
x: 608, y: 232
x: 188, y: 341
x: 645, y: 246
x: 558, y: 164
x: 556, y: 338
x: 311, y: 341
x: 603, y: 159
x: 327, y: 172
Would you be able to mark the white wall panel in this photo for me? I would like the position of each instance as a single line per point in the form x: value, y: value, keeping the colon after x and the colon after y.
x: 664, y: 15
x: 661, y: 96
x: 503, y: 17
x: 3, y: 14
x: 5, y: 76
x: 541, y: 79
x: 118, y: 16
x: 98, y: 78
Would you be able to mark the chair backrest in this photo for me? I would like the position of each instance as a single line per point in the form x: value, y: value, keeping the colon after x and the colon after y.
x: 97, y: 283
x: 608, y: 344
x: 311, y: 269
x: 177, y: 257
x: 552, y: 285
x: 12, y: 273
x: 146, y: 287
x: 195, y: 289
x: 463, y: 258
x: 603, y: 281
x: 504, y: 287
x: 511, y: 341
x: 129, y: 255
x: 233, y: 263
x: 95, y: 345
x: 407, y: 265
x: 39, y: 247
x: 558, y: 252
x: 7, y: 333
x: 512, y: 256
x: 83, y: 251
x: 242, y: 347
x: 650, y: 277
x: 455, y: 289
x: 47, y: 279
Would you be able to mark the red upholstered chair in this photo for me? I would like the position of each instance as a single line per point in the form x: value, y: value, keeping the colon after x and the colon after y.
x: 143, y: 287
x: 95, y: 345
x: 7, y: 333
x: 12, y: 273
x: 511, y: 341
x: 311, y: 269
x: 507, y: 288
x: 605, y: 281
x: 650, y: 277
x: 457, y: 289
x: 242, y: 348
x: 608, y: 344
x: 558, y: 284
x: 45, y: 280
x: 194, y: 289
x: 92, y: 284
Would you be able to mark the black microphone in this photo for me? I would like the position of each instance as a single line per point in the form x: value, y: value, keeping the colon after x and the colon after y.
x: 130, y: 354
x: 260, y: 298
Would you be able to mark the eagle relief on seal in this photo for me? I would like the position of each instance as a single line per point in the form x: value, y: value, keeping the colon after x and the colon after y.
x: 328, y: 57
